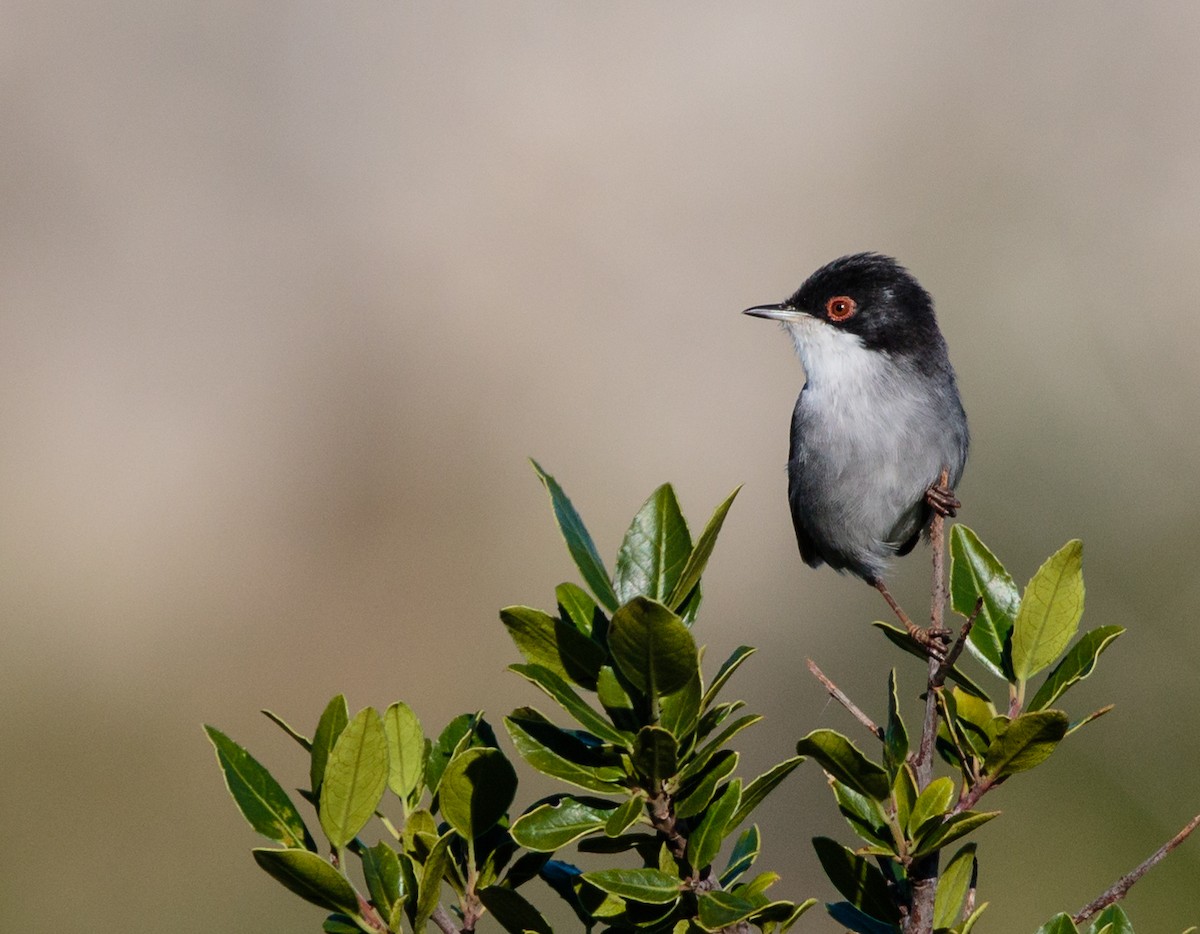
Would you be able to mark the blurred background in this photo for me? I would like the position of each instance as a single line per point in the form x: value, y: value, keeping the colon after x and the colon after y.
x: 290, y: 291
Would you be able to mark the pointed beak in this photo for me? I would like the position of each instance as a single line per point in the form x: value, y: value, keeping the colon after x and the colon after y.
x: 775, y: 312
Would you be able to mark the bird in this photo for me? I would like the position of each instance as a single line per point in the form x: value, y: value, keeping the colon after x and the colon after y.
x: 879, y: 437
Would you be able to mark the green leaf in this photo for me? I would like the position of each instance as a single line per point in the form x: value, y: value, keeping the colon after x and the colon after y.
x: 652, y: 647
x: 953, y: 886
x: 575, y: 604
x: 1076, y: 665
x: 975, y: 572
x: 718, y: 910
x: 456, y: 732
x: 556, y: 823
x: 1050, y: 612
x: 728, y: 667
x: 1113, y: 917
x: 955, y: 827
x: 329, y: 728
x: 864, y: 815
x: 476, y: 790
x: 931, y: 805
x: 704, y: 842
x: 1059, y: 924
x: 512, y: 911
x: 560, y: 754
x: 616, y: 700
x: 700, y: 760
x: 1025, y: 742
x: 555, y: 645
x: 558, y: 689
x: 895, y: 736
x: 762, y: 786
x: 655, y: 549
x: 579, y: 541
x: 261, y: 799
x: 680, y: 710
x: 429, y: 891
x: 625, y: 816
x: 841, y: 759
x: 698, y: 559
x: 338, y: 923
x: 695, y: 798
x: 858, y: 921
x: 654, y: 754
x: 381, y: 869
x: 969, y: 924
x: 406, y: 750
x: 650, y: 886
x: 902, y: 639
x: 310, y: 877
x: 858, y: 881
x: 283, y: 725
x: 355, y: 778
x: 745, y: 852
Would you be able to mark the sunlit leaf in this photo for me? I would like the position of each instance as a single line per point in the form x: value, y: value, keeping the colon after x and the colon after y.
x: 1076, y: 665
x: 842, y: 759
x: 652, y: 647
x: 953, y: 886
x: 650, y: 886
x: 333, y: 720
x: 406, y: 750
x: 579, y: 541
x: 556, y: 823
x: 1025, y: 742
x: 858, y: 880
x: 1050, y: 611
x: 553, y: 644
x: 355, y: 777
x: 975, y: 572
x: 310, y: 877
x: 705, y: 840
x: 654, y: 550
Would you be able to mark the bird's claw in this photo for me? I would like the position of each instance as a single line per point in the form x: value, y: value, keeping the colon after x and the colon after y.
x: 943, y: 501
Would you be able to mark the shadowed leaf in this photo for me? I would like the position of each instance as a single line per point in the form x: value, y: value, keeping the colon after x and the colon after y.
x: 841, y: 758
x: 476, y: 790
x: 859, y: 881
x: 652, y: 647
x: 1076, y: 665
x: 310, y: 877
x: 579, y: 541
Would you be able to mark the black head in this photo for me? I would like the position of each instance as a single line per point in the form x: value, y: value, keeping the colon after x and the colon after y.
x: 874, y: 297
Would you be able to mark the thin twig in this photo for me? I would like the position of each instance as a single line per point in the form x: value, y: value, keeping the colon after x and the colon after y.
x: 441, y: 917
x: 959, y: 644
x: 1119, y: 888
x: 838, y: 695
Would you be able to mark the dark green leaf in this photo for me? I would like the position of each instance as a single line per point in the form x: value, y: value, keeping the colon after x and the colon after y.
x: 698, y: 559
x: 406, y: 750
x: 680, y: 710
x: 579, y: 541
x: 902, y: 639
x: 261, y: 799
x: 553, y: 644
x: 650, y: 886
x: 1050, y: 611
x: 625, y: 816
x: 283, y: 725
x: 705, y: 840
x: 865, y: 815
x: 715, y: 716
x: 718, y: 910
x: 745, y: 852
x: 456, y: 731
x: 560, y: 754
x: 841, y: 759
x: 1025, y: 742
x: 558, y: 689
x: 728, y: 667
x: 859, y: 881
x: 954, y: 828
x: 575, y: 604
x: 476, y: 790
x: 429, y: 892
x: 338, y: 923
x: 549, y: 826
x: 652, y: 647
x: 955, y: 882
x: 1076, y: 665
x: 698, y: 762
x: 695, y: 797
x: 975, y: 572
x: 355, y: 777
x: 854, y: 920
x: 513, y: 912
x: 784, y: 919
x: 381, y: 869
x: 616, y: 700
x: 655, y: 549
x: 1059, y: 924
x: 895, y: 736
x: 310, y: 877
x: 329, y: 728
x: 762, y: 786
x: 1112, y: 917
x: 654, y: 755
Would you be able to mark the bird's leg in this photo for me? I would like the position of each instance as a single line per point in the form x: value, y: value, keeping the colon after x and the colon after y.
x: 934, y: 641
x: 942, y: 500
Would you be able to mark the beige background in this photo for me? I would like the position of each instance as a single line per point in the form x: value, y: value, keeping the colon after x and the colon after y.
x: 288, y: 292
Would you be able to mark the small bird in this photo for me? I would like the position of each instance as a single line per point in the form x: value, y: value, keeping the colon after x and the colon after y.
x: 877, y: 422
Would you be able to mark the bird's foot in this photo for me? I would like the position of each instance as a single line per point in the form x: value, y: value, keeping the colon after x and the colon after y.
x: 942, y: 500
x: 935, y: 641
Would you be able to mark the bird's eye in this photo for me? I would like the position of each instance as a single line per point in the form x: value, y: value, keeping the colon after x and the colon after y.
x: 840, y: 307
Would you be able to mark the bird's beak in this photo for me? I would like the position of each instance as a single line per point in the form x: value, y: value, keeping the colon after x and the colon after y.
x: 775, y: 312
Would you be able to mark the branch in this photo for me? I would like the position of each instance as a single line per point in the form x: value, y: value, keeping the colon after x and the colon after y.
x: 1118, y: 889
x: 441, y: 917
x: 838, y: 695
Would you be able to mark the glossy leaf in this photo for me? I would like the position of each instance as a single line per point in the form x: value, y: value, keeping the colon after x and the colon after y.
x: 355, y: 777
x: 693, y: 570
x: 705, y: 840
x: 651, y: 886
x: 975, y: 572
x: 954, y: 828
x: 1050, y: 612
x: 476, y: 790
x: 859, y: 881
x: 553, y: 644
x: 310, y: 877
x: 429, y: 891
x: 442, y: 749
x: 842, y: 759
x: 718, y: 910
x: 1025, y: 742
x: 953, y: 886
x: 900, y: 638
x: 512, y: 911
x: 725, y: 672
x: 895, y: 735
x: 931, y: 804
x: 745, y: 852
x: 406, y: 750
x: 858, y: 921
x: 261, y: 799
x: 680, y: 710
x: 654, y: 754
x: 559, y: 754
x: 333, y: 720
x: 625, y: 816
x: 616, y: 700
x: 652, y: 647
x: 579, y: 541
x: 554, y: 824
x: 654, y: 550
x: 864, y: 815
x: 575, y: 604
x: 558, y: 689
x: 1113, y: 918
x: 700, y: 760
x: 694, y: 798
x: 762, y: 786
x: 1059, y: 924
x: 1076, y: 665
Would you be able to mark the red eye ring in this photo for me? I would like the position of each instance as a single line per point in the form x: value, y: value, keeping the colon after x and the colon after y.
x: 840, y: 307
